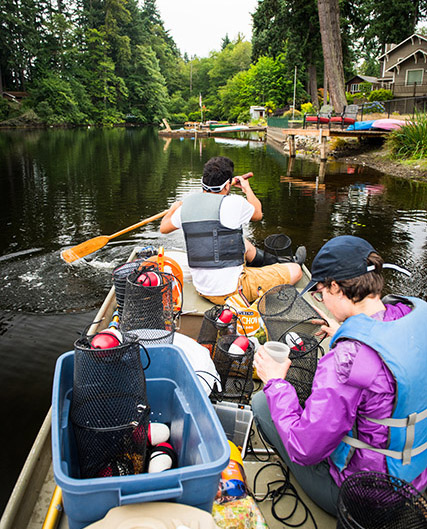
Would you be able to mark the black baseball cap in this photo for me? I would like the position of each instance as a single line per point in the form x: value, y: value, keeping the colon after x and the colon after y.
x: 343, y: 257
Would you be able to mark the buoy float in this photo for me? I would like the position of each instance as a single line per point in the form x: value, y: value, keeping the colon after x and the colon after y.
x: 158, y: 433
x: 163, y: 457
x: 224, y: 318
x: 107, y: 339
x: 294, y: 341
x: 239, y: 346
x: 149, y: 279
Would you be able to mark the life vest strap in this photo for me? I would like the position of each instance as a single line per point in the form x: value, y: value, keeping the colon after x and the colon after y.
x: 357, y: 443
x: 399, y: 423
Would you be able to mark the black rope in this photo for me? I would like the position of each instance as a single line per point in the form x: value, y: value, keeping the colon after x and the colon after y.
x: 276, y: 490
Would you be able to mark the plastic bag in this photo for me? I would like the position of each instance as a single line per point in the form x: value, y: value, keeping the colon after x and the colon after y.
x: 234, y: 506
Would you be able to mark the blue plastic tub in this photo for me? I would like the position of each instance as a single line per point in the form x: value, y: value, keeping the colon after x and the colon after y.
x: 177, y: 398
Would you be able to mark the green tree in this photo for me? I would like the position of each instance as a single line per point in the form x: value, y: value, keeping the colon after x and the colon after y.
x: 270, y: 28
x: 148, y: 87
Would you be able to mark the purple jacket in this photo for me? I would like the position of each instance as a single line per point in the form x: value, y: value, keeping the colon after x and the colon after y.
x: 351, y: 381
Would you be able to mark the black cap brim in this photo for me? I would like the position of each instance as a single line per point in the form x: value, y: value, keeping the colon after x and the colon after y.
x: 310, y: 286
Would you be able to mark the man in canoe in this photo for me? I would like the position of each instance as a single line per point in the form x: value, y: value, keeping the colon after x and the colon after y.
x: 220, y: 258
x: 368, y: 406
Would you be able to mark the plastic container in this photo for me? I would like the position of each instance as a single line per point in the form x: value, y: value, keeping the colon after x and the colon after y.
x: 177, y: 398
x: 236, y: 419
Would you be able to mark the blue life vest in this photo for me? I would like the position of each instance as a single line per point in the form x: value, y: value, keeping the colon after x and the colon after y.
x: 402, y: 345
x: 209, y: 243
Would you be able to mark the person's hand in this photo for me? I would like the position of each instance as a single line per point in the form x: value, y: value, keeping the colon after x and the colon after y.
x: 267, y: 368
x: 242, y: 182
x: 328, y: 329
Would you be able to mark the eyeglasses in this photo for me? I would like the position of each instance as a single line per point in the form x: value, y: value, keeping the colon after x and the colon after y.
x: 318, y: 295
x: 215, y: 189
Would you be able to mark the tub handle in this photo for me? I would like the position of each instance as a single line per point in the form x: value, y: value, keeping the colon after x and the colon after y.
x: 165, y: 494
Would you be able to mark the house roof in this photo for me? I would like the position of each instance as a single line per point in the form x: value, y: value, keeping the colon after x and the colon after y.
x: 365, y: 78
x: 415, y: 35
x: 414, y: 53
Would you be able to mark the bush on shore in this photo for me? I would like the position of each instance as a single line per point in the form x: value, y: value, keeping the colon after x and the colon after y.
x: 410, y: 141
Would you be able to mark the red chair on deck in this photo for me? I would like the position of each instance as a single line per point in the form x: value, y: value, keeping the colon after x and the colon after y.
x: 321, y: 118
x: 347, y: 117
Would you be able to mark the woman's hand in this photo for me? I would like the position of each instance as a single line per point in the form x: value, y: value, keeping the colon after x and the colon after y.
x: 330, y: 329
x: 267, y: 368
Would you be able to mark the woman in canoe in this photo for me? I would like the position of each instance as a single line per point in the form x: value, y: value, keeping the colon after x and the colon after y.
x: 368, y: 407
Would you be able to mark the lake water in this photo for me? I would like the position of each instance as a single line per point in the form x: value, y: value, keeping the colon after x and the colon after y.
x: 62, y: 187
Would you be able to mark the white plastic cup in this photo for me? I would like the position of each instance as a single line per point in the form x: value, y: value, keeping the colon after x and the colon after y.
x: 277, y: 350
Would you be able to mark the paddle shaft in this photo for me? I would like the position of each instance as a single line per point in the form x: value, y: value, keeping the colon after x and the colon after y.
x: 90, y: 246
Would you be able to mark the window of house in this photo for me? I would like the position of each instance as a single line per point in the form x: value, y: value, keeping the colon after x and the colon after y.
x: 414, y: 76
x: 354, y: 88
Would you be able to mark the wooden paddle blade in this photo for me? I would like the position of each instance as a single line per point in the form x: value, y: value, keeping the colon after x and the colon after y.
x: 85, y: 248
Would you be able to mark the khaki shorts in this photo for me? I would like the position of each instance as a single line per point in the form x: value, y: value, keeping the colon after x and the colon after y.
x: 252, y: 279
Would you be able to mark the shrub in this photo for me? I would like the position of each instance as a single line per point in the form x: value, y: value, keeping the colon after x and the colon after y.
x: 4, y: 109
x: 244, y: 117
x: 373, y: 107
x: 289, y: 113
x: 180, y: 117
x: 365, y: 89
x: 307, y: 108
x: 410, y: 141
x: 194, y: 116
x: 380, y: 95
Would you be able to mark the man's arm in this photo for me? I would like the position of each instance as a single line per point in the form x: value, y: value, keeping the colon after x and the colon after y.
x: 243, y: 184
x: 166, y: 225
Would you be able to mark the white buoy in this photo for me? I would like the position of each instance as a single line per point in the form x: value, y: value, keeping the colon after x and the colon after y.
x: 158, y: 433
x: 239, y: 346
x: 161, y: 458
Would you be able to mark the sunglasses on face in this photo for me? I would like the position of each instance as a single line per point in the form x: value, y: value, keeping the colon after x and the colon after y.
x: 318, y: 295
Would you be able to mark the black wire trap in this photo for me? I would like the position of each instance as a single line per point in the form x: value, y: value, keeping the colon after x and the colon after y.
x: 121, y: 273
x: 279, y: 245
x: 215, y: 325
x: 109, y: 409
x: 290, y: 319
x: 373, y: 500
x: 148, y: 307
x: 235, y: 370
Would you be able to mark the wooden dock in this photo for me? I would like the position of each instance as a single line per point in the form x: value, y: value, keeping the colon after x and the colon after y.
x: 325, y: 133
x: 204, y: 133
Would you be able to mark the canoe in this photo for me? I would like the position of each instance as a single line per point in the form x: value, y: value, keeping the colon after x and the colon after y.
x: 388, y: 124
x: 35, y: 502
x: 361, y: 125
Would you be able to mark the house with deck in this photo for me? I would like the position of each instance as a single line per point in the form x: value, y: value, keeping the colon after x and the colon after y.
x: 404, y: 67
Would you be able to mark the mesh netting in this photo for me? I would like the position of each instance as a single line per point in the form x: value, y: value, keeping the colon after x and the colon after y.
x: 304, y: 356
x: 212, y: 328
x: 148, y: 308
x: 281, y: 309
x: 289, y: 319
x: 109, y: 410
x: 372, y: 500
x: 235, y: 371
x: 120, y: 275
x: 279, y: 245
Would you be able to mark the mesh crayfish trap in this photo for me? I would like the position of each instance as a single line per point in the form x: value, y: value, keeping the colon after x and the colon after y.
x: 291, y: 320
x: 373, y: 500
x: 234, y: 365
x: 120, y: 275
x: 217, y: 321
x: 279, y: 245
x: 148, y: 308
x: 109, y: 409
